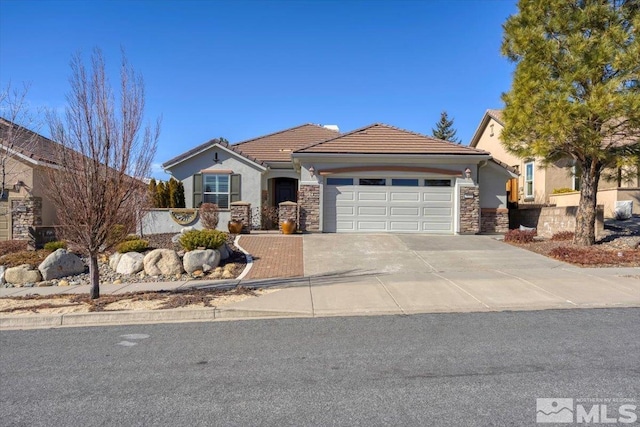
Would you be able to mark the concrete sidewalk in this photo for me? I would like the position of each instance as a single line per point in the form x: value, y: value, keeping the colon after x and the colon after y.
x: 396, y: 274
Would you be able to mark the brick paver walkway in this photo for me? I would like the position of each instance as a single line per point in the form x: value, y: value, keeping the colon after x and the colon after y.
x: 274, y: 255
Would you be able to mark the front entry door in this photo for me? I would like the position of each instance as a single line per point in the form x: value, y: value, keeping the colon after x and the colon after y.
x: 285, y: 190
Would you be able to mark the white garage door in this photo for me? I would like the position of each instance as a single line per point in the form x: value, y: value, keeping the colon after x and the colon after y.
x: 388, y: 205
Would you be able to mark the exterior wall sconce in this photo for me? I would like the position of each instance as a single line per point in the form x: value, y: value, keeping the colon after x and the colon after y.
x: 312, y: 171
x: 215, y: 158
x: 467, y: 173
x: 18, y: 185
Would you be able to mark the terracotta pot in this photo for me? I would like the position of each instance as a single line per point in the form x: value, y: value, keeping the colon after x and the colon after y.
x: 288, y: 226
x: 235, y: 227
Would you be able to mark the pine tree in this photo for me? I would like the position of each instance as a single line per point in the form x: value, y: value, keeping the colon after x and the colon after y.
x: 180, y: 202
x: 172, y: 186
x: 161, y: 199
x: 444, y: 129
x: 152, y: 192
x: 576, y: 90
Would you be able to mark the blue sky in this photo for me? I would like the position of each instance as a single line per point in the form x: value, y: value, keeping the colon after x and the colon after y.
x: 240, y: 69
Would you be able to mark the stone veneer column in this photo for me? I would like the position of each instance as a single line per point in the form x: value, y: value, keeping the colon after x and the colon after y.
x: 241, y: 211
x: 25, y: 213
x: 309, y: 205
x: 494, y: 220
x: 287, y: 211
x: 469, y: 209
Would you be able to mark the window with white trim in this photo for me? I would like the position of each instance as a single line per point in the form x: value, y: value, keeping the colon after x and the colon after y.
x: 576, y: 175
x: 215, y: 189
x: 528, y: 180
x: 221, y: 189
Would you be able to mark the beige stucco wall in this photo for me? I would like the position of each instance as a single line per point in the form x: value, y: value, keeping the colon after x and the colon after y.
x: 15, y: 171
x: 251, y: 176
x: 490, y: 141
x: 606, y: 197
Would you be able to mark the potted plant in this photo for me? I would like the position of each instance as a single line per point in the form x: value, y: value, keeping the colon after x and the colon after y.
x: 234, y: 226
x: 288, y: 226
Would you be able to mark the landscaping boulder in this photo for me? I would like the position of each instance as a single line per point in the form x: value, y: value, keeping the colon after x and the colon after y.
x: 224, y: 252
x: 162, y: 261
x: 201, y: 259
x: 61, y: 263
x: 114, y: 260
x: 22, y: 274
x: 130, y: 263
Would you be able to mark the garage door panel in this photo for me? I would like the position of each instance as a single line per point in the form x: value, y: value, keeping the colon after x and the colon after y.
x: 437, y: 211
x: 372, y: 225
x: 404, y: 225
x: 407, y: 209
x: 370, y: 195
x: 437, y: 197
x: 345, y: 210
x: 345, y: 196
x: 428, y: 226
x: 345, y: 225
x: 372, y: 210
x: 413, y: 196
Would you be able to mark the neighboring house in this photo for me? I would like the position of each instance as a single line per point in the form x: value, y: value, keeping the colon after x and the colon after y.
x: 375, y: 179
x: 558, y: 183
x: 24, y: 157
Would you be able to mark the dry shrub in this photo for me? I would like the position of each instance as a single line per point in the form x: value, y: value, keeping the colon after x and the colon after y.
x: 520, y: 236
x: 594, y: 256
x: 11, y: 246
x: 33, y: 258
x: 563, y: 235
x: 209, y: 215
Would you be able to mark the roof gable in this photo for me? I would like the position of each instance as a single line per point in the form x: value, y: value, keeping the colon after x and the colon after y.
x: 274, y: 147
x: 488, y: 115
x: 380, y: 138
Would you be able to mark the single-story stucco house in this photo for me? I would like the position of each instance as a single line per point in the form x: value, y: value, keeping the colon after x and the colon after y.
x: 378, y: 178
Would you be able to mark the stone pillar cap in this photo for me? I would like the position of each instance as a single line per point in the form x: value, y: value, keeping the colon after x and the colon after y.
x: 240, y: 204
x: 288, y: 204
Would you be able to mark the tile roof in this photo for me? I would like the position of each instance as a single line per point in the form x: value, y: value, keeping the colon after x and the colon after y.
x: 379, y: 138
x: 205, y: 146
x: 278, y: 146
x: 496, y: 115
x: 274, y: 147
x: 28, y: 143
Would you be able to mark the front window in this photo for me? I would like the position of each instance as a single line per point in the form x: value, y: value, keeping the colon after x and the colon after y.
x: 576, y: 174
x: 216, y: 190
x: 528, y: 180
x: 373, y: 181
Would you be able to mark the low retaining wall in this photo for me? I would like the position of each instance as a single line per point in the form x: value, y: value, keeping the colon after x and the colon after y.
x: 155, y: 221
x: 549, y: 220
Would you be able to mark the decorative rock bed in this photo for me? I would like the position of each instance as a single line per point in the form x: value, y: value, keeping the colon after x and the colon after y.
x: 63, y: 268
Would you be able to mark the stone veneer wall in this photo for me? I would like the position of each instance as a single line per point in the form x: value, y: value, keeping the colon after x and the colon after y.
x: 309, y: 205
x: 241, y: 211
x: 494, y: 220
x: 548, y: 220
x: 287, y: 211
x: 25, y: 213
x: 469, y: 209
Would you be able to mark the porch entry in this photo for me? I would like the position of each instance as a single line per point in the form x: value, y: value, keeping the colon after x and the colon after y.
x: 284, y: 190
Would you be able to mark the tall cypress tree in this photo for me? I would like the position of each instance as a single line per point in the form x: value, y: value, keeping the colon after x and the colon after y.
x: 152, y: 192
x: 444, y: 129
x: 172, y: 186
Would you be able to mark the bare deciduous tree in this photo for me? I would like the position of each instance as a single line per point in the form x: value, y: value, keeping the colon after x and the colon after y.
x: 106, y: 149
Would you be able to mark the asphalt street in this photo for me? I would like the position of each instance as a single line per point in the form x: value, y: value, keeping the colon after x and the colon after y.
x: 469, y: 369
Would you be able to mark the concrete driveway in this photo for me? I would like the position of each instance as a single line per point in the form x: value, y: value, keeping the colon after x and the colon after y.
x: 387, y: 273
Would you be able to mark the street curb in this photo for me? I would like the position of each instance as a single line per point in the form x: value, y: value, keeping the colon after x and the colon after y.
x: 109, y: 318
